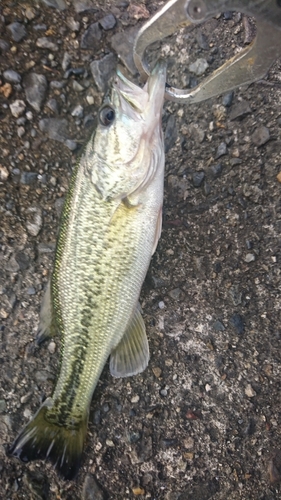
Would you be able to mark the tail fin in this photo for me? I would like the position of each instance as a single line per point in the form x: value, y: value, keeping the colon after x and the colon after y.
x: 42, y: 439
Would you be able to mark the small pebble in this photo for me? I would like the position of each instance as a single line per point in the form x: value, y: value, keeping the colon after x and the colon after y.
x: 103, y: 70
x: 218, y: 326
x: 108, y: 22
x: 45, y: 43
x: 90, y: 99
x: 27, y: 413
x: 222, y: 150
x: 228, y: 15
x: 240, y: 110
x: 138, y: 491
x: 206, y: 188
x: 29, y: 13
x: 4, y: 173
x: 91, y: 37
x: 52, y: 347
x: 74, y: 71
x: 235, y: 161
x: 6, y: 90
x: 35, y: 221
x: 56, y: 129
x: 134, y: 437
x: 55, y: 4
x: 202, y: 41
x: 188, y: 443
x: 175, y: 294
x: 53, y: 180
x: 135, y: 399
x: 52, y: 104
x: 77, y: 87
x: 3, y: 405
x: 24, y: 399
x: 66, y: 61
x: 17, y: 30
x: 4, y: 45
x: 157, y: 371
x: 72, y: 24
x: 249, y: 391
x: 55, y: 84
x: 20, y: 131
x: 17, y: 108
x: 198, y: 178
x: 216, y: 170
x: 250, y: 257
x: 43, y: 376
x: 227, y: 99
x: 21, y: 120
x: 109, y: 443
x: 27, y: 178
x: 77, y: 111
x: 35, y: 86
x: 97, y: 417
x: 83, y: 5
x: 235, y: 295
x: 106, y: 408
x: 161, y: 305
x: 12, y: 76
x: 91, y: 489
x: 237, y: 323
x: 198, y: 67
x: 260, y: 136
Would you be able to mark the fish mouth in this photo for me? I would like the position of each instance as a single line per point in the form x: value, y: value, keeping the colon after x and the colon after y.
x: 134, y: 100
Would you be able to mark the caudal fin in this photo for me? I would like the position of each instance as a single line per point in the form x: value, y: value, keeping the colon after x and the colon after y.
x: 42, y: 439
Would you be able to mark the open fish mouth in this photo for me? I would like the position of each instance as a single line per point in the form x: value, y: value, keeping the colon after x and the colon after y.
x: 135, y: 101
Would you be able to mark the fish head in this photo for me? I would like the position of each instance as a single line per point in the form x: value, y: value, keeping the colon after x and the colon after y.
x: 128, y: 138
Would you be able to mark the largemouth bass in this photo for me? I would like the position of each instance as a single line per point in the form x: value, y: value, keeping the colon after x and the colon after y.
x: 110, y: 226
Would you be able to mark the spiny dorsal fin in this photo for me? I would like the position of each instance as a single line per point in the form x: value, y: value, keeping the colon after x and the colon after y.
x: 131, y: 355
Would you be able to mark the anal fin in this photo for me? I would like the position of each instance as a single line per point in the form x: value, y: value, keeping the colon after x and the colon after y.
x: 131, y: 355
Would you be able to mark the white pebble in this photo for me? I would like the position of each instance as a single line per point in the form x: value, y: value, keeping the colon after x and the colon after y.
x: 249, y: 391
x: 135, y: 399
x: 17, y: 108
x: 27, y: 413
x: 90, y: 99
x: 250, y: 257
x: 52, y: 347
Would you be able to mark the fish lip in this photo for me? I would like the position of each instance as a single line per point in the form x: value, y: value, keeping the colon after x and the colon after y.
x: 141, y: 99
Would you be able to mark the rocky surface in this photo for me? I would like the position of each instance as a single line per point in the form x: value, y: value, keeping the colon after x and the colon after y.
x: 203, y: 421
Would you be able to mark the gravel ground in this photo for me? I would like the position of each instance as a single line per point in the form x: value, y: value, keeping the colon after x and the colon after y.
x: 203, y: 421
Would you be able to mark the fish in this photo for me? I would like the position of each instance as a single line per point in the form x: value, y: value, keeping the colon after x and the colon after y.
x: 110, y: 226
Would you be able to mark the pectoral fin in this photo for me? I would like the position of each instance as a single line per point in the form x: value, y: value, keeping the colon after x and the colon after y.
x: 158, y: 230
x: 131, y: 355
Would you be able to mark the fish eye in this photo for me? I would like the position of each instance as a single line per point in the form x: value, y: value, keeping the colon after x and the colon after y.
x: 106, y: 115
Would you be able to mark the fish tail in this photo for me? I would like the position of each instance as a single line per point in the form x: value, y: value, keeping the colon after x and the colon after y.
x: 43, y: 439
